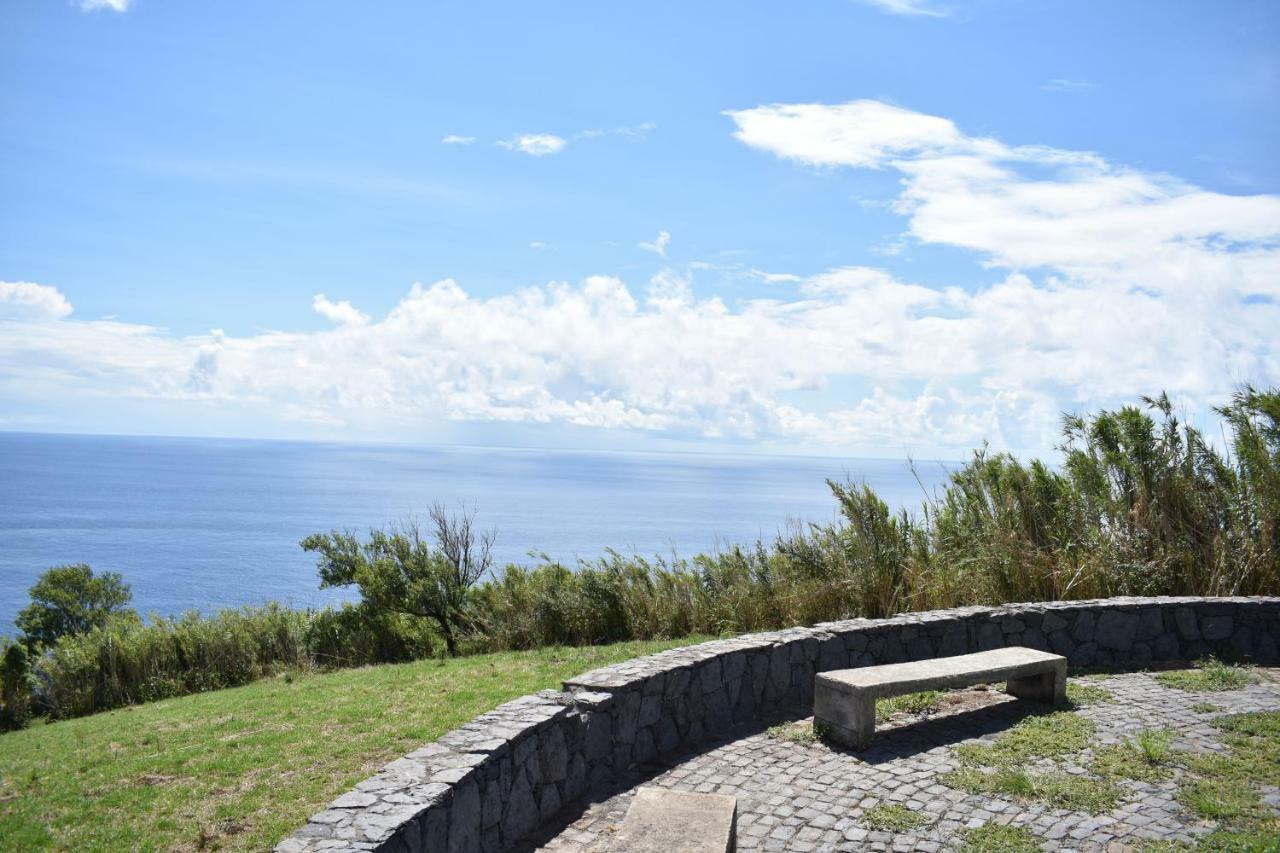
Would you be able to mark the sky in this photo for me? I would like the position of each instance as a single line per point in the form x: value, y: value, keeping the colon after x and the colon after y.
x: 882, y: 228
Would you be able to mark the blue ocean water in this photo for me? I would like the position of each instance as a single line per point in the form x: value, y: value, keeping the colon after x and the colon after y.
x: 211, y: 523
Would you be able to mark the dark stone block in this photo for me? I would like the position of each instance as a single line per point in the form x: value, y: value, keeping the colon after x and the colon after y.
x: 1184, y: 618
x: 955, y: 641
x: 645, y: 746
x: 1150, y: 623
x: 554, y: 755
x: 1214, y: 628
x: 1060, y: 643
x: 1242, y: 642
x: 1033, y: 638
x: 435, y: 827
x: 711, y: 676
x: 677, y: 683
x: 599, y: 737
x: 1166, y: 648
x: 464, y: 819
x: 1053, y: 622
x: 832, y: 654
x: 650, y: 710
x: 990, y: 637
x: 1082, y: 630
x: 548, y: 804
x: 1116, y: 630
x: 1083, y: 655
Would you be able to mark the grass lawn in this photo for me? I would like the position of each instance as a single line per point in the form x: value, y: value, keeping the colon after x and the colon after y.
x: 241, y: 768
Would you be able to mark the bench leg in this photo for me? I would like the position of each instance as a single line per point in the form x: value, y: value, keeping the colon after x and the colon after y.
x: 1046, y: 687
x: 849, y: 720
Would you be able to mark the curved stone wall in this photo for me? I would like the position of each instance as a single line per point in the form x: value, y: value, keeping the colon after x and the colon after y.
x: 484, y: 786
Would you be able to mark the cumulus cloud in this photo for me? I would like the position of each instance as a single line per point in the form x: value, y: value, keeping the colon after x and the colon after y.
x: 659, y: 244
x: 22, y: 300
x: 113, y: 5
x: 454, y: 139
x: 1103, y: 283
x: 339, y: 312
x: 534, y: 144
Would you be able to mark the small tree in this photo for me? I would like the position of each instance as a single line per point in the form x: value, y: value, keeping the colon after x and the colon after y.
x: 399, y: 571
x: 15, y: 685
x: 70, y: 600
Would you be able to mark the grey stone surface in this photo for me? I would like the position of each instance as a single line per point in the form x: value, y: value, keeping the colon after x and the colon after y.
x: 494, y: 780
x: 667, y: 820
x: 793, y: 797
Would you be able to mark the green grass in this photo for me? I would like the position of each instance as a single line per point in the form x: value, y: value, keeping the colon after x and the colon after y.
x: 1045, y: 736
x: 241, y: 768
x: 1206, y: 708
x: 801, y: 733
x: 910, y: 703
x: 990, y: 838
x: 1060, y: 790
x: 1083, y: 695
x: 1209, y: 676
x: 892, y: 817
x: 1144, y: 758
x: 1225, y: 800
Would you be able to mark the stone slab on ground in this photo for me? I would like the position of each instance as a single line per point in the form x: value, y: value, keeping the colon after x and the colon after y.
x: 664, y: 820
x: 844, y: 702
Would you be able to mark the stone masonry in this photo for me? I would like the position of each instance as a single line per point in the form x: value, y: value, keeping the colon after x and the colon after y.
x: 487, y: 785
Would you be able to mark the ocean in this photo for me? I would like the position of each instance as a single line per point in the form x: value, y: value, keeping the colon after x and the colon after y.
x: 212, y: 523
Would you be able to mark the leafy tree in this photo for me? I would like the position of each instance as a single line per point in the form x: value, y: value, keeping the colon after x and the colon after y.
x: 70, y: 600
x: 400, y: 570
x: 15, y: 685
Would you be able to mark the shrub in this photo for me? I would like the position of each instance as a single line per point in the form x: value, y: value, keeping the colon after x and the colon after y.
x: 15, y: 685
x: 400, y: 571
x: 69, y: 600
x: 356, y: 635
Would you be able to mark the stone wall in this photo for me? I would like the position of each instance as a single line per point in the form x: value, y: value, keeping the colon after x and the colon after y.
x: 484, y: 786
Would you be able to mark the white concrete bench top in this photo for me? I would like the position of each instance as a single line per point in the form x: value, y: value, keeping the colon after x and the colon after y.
x: 844, y: 700
x: 662, y: 820
x: 895, y: 679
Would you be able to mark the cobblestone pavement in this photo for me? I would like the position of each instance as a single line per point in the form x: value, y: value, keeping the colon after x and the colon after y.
x: 809, y: 798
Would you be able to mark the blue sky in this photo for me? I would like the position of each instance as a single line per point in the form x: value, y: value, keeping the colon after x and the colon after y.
x: 891, y: 227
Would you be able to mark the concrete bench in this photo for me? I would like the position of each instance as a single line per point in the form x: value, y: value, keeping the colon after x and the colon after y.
x: 664, y: 821
x: 844, y: 701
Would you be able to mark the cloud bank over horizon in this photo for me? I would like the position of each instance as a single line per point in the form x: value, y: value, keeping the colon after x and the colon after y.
x: 1102, y: 283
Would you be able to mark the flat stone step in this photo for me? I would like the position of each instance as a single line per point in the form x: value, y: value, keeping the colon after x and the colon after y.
x: 844, y: 701
x: 661, y: 820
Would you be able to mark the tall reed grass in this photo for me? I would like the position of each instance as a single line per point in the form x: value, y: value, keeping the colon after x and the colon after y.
x: 1142, y: 504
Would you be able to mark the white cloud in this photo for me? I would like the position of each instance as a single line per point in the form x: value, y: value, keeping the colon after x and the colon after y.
x: 113, y: 5
x: 537, y: 244
x: 1104, y: 283
x: 908, y: 8
x: 659, y: 244
x: 339, y: 312
x: 21, y: 300
x: 1064, y: 84
x: 534, y: 144
x: 454, y: 139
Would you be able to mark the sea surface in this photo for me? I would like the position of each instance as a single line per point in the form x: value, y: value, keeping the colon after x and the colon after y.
x: 212, y: 523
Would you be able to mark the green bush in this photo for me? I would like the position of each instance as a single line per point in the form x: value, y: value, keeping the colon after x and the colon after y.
x: 126, y: 661
x: 355, y: 635
x: 15, y: 685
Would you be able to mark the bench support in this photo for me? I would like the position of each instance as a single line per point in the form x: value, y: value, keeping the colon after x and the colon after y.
x: 1045, y: 687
